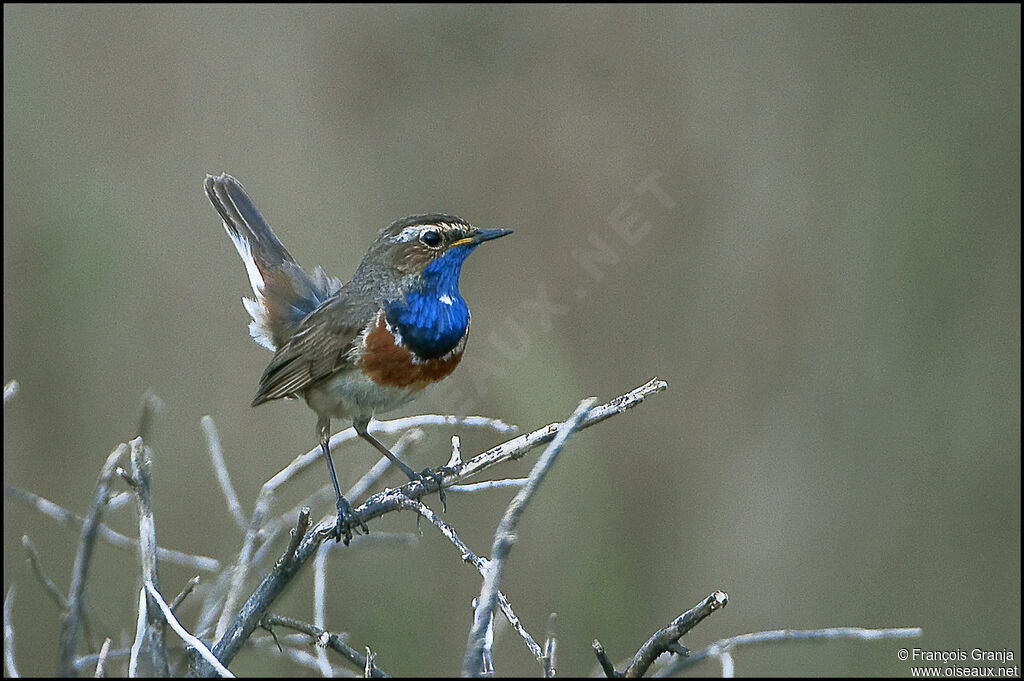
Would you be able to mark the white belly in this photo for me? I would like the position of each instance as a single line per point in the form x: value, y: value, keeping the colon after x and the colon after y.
x: 352, y: 395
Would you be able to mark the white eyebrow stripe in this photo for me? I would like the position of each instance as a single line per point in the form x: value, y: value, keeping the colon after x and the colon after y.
x: 413, y: 232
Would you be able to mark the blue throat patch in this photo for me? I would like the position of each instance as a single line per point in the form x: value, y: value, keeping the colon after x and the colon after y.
x: 434, y: 317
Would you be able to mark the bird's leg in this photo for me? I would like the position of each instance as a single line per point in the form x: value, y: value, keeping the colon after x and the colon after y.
x: 346, y: 519
x: 438, y: 477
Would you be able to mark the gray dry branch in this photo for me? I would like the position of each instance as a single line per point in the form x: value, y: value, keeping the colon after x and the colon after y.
x: 256, y: 606
x: 224, y: 627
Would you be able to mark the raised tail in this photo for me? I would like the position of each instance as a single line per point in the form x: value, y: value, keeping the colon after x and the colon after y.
x: 285, y: 294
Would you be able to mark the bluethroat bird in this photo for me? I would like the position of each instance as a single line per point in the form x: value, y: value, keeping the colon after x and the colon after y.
x: 371, y: 345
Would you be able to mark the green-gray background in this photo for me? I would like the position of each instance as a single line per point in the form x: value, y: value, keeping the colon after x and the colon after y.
x: 832, y: 293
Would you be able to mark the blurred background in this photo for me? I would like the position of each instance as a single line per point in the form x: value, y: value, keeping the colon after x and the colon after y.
x: 805, y: 219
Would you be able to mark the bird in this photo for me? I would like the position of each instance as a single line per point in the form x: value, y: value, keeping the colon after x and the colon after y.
x: 352, y: 350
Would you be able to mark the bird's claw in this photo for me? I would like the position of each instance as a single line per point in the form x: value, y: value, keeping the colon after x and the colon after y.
x: 438, y: 477
x: 346, y: 522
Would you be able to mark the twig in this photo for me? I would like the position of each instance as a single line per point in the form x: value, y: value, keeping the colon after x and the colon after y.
x: 118, y: 500
x: 487, y: 484
x: 223, y: 477
x: 728, y: 665
x: 245, y: 561
x: 154, y: 638
x: 299, y: 463
x: 238, y: 573
x: 480, y: 564
x: 9, y: 665
x: 10, y: 390
x: 91, y: 660
x: 266, y: 546
x: 726, y: 645
x: 66, y: 517
x: 102, y: 659
x: 550, y: 648
x: 300, y: 657
x: 370, y: 657
x: 456, y: 458
x: 140, y: 635
x: 333, y: 641
x: 79, y: 573
x: 186, y: 590
x: 297, y: 533
x: 487, y: 648
x: 319, y: 605
x: 505, y: 536
x: 327, y: 492
x: 516, y: 448
x: 266, y: 592
x: 211, y: 604
x: 261, y: 510
x: 602, y: 658
x: 188, y: 638
x: 48, y: 585
x: 667, y: 638
x: 51, y: 588
x: 389, y: 500
x: 408, y: 437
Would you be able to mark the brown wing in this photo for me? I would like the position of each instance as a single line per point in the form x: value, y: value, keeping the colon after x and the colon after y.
x: 320, y: 346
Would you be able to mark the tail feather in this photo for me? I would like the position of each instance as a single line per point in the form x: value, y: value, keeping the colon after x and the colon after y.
x: 284, y: 292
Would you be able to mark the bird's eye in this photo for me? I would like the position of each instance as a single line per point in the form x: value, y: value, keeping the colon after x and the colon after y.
x: 431, y: 238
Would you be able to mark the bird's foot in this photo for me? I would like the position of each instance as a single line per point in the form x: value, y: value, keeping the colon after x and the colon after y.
x: 346, y: 522
x: 438, y: 477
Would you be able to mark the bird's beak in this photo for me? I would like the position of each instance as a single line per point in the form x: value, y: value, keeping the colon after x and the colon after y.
x: 482, y: 235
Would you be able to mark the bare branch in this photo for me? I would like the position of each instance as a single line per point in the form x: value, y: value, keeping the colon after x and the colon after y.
x: 51, y: 588
x: 66, y: 517
x: 48, y: 585
x: 9, y: 665
x: 79, y: 573
x: 481, y: 565
x: 390, y: 500
x: 333, y: 641
x: 725, y: 645
x: 221, y: 469
x: 487, y: 484
x: 320, y: 604
x: 86, y: 661
x: 487, y: 646
x: 456, y: 458
x: 267, y: 492
x: 238, y: 573
x: 505, y: 536
x: 140, y: 635
x: 550, y: 647
x: 370, y: 657
x: 665, y: 640
x: 188, y: 638
x: 155, y: 643
x: 10, y: 390
x: 297, y: 533
x: 602, y: 658
x: 518, y: 447
x: 302, y: 461
x: 102, y: 659
x: 185, y: 591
